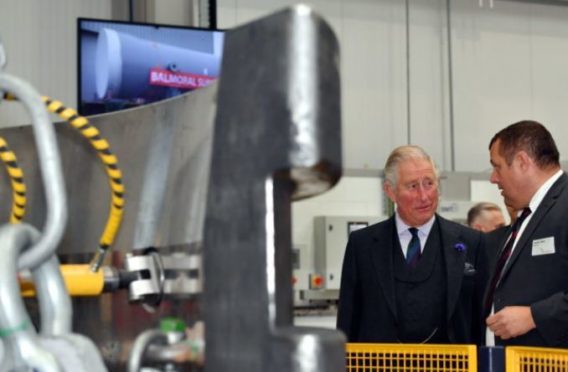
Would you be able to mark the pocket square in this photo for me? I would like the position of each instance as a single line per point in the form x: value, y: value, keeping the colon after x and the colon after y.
x: 469, y: 269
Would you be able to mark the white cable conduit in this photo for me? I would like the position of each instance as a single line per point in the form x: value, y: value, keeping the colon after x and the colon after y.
x: 50, y: 167
x: 21, y: 342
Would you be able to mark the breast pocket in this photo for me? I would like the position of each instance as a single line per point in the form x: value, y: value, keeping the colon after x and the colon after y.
x: 469, y: 270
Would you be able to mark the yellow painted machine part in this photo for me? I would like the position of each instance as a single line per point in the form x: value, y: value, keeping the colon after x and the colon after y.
x: 524, y: 358
x: 80, y: 280
x: 101, y: 145
x: 110, y: 161
x: 410, y: 357
x: 16, y: 180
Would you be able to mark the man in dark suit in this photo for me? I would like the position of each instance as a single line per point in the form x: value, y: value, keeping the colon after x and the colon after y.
x: 494, y: 241
x: 415, y: 277
x: 526, y: 302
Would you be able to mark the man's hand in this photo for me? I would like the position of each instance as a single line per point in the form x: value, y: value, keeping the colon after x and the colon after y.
x: 511, y: 321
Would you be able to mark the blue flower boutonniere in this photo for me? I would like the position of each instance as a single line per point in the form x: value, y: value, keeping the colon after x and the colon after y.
x: 460, y: 247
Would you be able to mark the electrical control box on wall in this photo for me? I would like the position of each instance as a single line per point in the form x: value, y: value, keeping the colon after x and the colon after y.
x: 330, y: 235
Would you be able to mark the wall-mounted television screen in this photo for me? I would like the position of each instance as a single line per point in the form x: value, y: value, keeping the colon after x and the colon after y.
x: 123, y: 65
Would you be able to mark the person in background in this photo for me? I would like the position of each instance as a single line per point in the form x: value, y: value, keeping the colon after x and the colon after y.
x: 485, y: 217
x: 495, y: 240
x: 526, y: 302
x: 416, y: 277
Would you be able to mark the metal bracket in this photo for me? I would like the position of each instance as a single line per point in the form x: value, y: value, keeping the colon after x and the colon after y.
x: 277, y: 139
x: 177, y: 275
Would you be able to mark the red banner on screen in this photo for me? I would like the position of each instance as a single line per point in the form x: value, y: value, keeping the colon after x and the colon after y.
x: 182, y: 80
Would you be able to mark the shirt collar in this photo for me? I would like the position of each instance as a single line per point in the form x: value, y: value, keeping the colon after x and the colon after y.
x: 543, y: 190
x: 424, y: 230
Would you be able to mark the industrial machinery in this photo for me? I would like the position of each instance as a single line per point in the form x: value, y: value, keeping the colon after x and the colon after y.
x: 199, y: 276
x: 322, y: 278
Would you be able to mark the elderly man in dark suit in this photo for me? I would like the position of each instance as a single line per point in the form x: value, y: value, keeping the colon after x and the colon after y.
x: 415, y: 277
x: 527, y: 297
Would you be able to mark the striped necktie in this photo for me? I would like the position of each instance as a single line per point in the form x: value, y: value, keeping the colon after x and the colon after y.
x: 503, y: 258
x: 413, y: 251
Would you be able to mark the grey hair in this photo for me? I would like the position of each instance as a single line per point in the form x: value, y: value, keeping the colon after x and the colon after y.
x: 403, y: 153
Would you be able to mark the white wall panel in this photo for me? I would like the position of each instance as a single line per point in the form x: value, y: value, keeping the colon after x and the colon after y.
x: 491, y: 74
x: 39, y: 38
x: 485, y: 191
x: 509, y: 64
x: 428, y: 80
x: 373, y: 75
x: 549, y: 58
x: 174, y: 12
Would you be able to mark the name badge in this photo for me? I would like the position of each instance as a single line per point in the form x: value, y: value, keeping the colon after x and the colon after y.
x: 543, y: 246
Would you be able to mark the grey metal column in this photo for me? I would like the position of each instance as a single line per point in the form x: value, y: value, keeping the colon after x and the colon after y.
x: 277, y: 138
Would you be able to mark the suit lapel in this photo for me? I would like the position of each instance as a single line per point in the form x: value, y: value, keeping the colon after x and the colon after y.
x: 455, y: 262
x: 382, y: 256
x: 547, y: 203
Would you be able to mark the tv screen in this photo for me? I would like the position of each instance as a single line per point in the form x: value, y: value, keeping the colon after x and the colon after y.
x: 123, y: 65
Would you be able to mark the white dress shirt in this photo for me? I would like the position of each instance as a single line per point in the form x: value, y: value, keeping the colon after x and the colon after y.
x: 404, y: 235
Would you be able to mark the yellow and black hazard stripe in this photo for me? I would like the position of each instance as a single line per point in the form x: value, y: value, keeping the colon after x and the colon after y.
x: 17, y: 181
x: 101, y: 145
x: 8, y: 96
x: 110, y: 161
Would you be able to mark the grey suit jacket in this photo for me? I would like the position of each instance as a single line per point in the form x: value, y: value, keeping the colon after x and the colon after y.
x: 367, y: 304
x: 537, y: 272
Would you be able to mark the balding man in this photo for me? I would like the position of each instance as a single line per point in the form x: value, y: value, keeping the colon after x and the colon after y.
x: 485, y: 217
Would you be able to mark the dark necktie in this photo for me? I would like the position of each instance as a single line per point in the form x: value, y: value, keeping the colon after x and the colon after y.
x: 413, y: 251
x: 504, y: 256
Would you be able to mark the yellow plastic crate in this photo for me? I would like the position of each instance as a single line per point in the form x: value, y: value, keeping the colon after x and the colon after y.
x: 535, y: 359
x: 410, y: 357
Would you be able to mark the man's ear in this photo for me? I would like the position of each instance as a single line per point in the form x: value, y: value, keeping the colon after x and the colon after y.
x: 524, y: 160
x: 389, y: 190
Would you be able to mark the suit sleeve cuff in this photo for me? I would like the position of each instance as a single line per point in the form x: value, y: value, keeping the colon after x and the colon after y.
x: 551, y: 319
